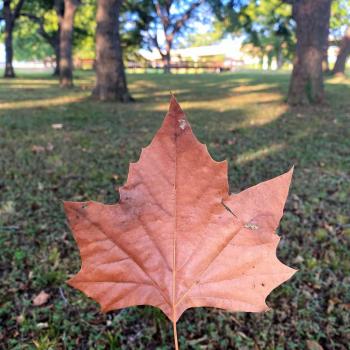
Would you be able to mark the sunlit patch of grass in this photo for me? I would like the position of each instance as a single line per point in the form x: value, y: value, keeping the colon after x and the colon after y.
x: 243, y: 118
x: 28, y: 85
x: 143, y: 84
x: 260, y: 154
x: 250, y: 88
x: 47, y: 102
x: 339, y: 79
x: 222, y: 104
x: 266, y: 108
x: 161, y: 97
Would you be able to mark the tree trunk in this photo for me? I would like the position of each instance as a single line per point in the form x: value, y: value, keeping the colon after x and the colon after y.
x: 312, y: 18
x: 66, y: 43
x: 110, y: 73
x: 9, y: 71
x: 167, y: 57
x: 279, y: 58
x: 325, y: 45
x: 269, y: 60
x: 10, y: 16
x: 166, y: 63
x: 344, y: 52
x: 59, y: 9
x: 56, y: 48
x: 9, y: 24
x: 325, y: 60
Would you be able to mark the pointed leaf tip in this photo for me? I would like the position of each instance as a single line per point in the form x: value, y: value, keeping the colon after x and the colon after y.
x: 175, y: 110
x: 288, y: 177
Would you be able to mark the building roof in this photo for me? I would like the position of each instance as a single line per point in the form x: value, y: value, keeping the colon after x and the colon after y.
x: 226, y: 48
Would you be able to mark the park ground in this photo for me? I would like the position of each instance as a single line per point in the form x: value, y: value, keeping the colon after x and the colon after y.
x: 243, y: 118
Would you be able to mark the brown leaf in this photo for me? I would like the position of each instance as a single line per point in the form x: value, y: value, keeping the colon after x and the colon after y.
x: 49, y: 147
x: 20, y: 319
x: 42, y: 325
x: 115, y: 177
x: 177, y: 239
x: 41, y: 298
x: 313, y: 345
x: 57, y: 126
x: 38, y: 149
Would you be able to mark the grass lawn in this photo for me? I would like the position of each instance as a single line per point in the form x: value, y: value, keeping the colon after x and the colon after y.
x: 242, y: 117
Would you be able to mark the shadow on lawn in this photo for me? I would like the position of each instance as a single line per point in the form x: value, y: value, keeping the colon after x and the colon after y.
x: 221, y: 109
x: 256, y: 148
x: 207, y: 86
x: 90, y: 156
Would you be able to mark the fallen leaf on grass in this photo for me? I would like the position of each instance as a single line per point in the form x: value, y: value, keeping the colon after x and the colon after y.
x: 313, y: 345
x: 177, y: 238
x: 57, y: 126
x: 49, y: 147
x: 20, y: 319
x: 345, y: 306
x: 41, y: 298
x: 115, y: 177
x: 41, y: 149
x: 38, y: 149
x: 42, y: 325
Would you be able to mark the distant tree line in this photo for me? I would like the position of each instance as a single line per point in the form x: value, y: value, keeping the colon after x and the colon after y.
x: 297, y: 30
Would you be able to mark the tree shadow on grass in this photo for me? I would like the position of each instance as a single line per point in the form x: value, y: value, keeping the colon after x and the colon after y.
x: 241, y: 118
x: 316, y: 140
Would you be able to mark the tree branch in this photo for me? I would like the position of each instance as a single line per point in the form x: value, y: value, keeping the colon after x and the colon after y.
x: 31, y: 16
x: 18, y: 8
x: 180, y: 22
x: 51, y: 39
x: 6, y: 9
x: 156, y: 43
x: 164, y: 19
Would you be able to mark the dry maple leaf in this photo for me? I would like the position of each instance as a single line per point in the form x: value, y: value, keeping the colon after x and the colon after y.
x: 41, y: 298
x: 177, y: 239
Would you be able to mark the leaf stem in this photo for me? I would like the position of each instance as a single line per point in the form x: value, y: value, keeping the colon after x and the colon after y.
x: 175, y: 335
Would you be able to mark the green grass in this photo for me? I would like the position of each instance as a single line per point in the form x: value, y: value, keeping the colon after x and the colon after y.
x: 242, y: 117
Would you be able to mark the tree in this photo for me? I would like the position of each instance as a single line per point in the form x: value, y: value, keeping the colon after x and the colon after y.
x: 28, y: 44
x: 45, y: 14
x: 38, y: 35
x: 344, y: 52
x: 312, y: 20
x: 10, y: 14
x: 110, y: 73
x: 265, y: 25
x: 269, y: 30
x: 213, y: 36
x: 134, y: 20
x: 339, y: 22
x: 66, y: 42
x: 84, y: 30
x: 169, y: 17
